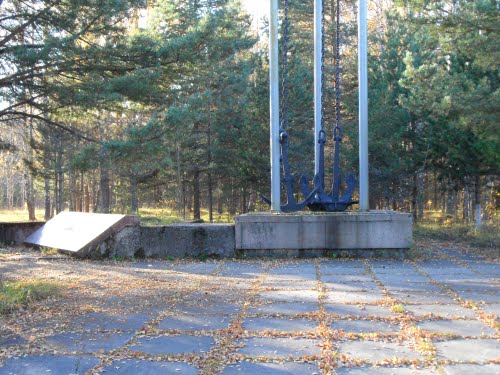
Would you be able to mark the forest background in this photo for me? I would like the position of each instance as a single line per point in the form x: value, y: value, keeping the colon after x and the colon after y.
x: 129, y: 106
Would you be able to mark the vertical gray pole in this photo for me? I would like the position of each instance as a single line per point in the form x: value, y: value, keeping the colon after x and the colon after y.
x: 318, y: 78
x: 363, y: 104
x: 274, y: 106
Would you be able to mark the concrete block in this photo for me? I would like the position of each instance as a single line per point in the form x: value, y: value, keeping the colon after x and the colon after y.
x: 16, y: 233
x: 329, y: 231
x: 188, y: 240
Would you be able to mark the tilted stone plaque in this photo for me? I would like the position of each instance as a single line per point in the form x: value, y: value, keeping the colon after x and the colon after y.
x: 78, y: 232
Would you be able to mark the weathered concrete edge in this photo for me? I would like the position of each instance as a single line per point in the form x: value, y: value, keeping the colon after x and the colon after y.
x: 16, y: 233
x: 177, y: 240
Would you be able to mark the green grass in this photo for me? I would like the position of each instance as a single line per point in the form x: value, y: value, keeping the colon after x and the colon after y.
x: 17, y: 294
x: 48, y: 251
x: 166, y: 216
x: 486, y: 237
x: 19, y: 216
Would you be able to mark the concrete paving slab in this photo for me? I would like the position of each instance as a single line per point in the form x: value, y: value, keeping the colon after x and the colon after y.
x: 299, y: 269
x: 111, y: 321
x: 460, y: 350
x: 280, y: 347
x: 290, y: 284
x: 493, y: 308
x: 442, y: 272
x: 289, y: 295
x: 385, y: 371
x: 48, y: 364
x: 375, y: 351
x: 87, y: 342
x: 419, y: 298
x: 472, y: 369
x: 365, y: 326
x: 272, y: 369
x: 351, y: 287
x: 194, y: 322
x: 342, y: 264
x: 8, y: 339
x: 457, y: 327
x: 178, y: 344
x: 196, y: 268
x: 358, y: 310
x: 343, y: 271
x: 473, y: 285
x: 490, y: 269
x: 141, y: 367
x: 416, y: 278
x: 285, y: 308
x: 341, y: 278
x: 396, y: 271
x: 353, y: 297
x: 415, y: 287
x: 193, y: 306
x: 446, y: 311
x: 438, y: 264
x: 288, y: 277
x: 279, y: 325
x: 480, y: 297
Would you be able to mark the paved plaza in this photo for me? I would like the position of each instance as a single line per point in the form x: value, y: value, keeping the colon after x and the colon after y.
x: 226, y: 317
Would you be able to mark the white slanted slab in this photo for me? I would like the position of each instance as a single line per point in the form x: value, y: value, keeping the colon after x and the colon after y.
x: 77, y: 231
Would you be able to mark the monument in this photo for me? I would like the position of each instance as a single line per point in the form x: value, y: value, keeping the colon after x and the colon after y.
x: 327, y: 227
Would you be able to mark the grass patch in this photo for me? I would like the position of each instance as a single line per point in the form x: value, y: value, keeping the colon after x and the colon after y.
x: 19, y: 216
x: 166, y: 216
x: 486, y: 237
x: 48, y: 251
x: 17, y: 294
x: 398, y: 309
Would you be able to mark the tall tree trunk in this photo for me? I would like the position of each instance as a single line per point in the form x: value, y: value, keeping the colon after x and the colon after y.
x: 82, y: 192
x: 133, y: 194
x: 210, y: 198
x: 30, y: 188
x: 477, y: 201
x: 180, y: 184
x: 435, y: 200
x: 220, y: 208
x: 86, y: 194
x: 60, y: 173
x: 104, y: 191
x: 196, y: 195
x: 55, y: 206
x: 414, y: 193
x: 46, y: 181
x: 232, y: 206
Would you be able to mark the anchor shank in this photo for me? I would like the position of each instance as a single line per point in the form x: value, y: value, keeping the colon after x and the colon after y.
x: 336, y: 169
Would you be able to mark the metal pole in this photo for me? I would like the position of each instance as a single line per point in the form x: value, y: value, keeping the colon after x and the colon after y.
x: 363, y: 104
x: 274, y: 106
x: 318, y: 78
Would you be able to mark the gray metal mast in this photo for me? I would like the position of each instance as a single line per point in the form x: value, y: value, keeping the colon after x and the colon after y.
x: 274, y: 106
x: 318, y: 79
x: 363, y: 104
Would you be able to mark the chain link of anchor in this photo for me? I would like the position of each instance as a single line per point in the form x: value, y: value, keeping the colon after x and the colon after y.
x: 337, y: 132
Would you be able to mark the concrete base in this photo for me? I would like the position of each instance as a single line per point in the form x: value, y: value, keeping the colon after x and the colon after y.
x: 178, y: 241
x: 16, y: 233
x: 317, y: 233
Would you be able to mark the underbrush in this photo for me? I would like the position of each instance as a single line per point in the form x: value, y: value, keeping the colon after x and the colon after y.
x: 165, y: 216
x: 487, y: 237
x: 18, y: 294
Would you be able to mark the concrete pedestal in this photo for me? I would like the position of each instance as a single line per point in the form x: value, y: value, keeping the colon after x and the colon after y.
x: 365, y: 234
